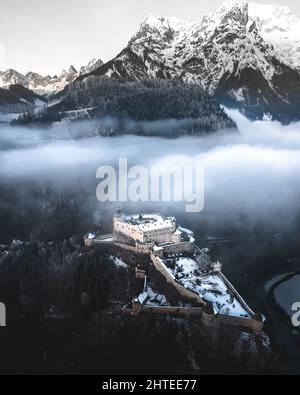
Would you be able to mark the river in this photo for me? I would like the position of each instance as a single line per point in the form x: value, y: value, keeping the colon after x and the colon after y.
x: 281, y: 291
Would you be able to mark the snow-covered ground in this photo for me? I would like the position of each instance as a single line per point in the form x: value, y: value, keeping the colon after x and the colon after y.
x: 118, y: 262
x: 209, y: 286
x: 151, y: 298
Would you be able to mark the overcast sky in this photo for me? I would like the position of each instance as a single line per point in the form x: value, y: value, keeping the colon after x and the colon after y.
x: 48, y: 35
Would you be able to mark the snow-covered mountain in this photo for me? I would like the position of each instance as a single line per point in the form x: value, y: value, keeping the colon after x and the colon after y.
x: 247, y: 54
x: 281, y: 28
x: 45, y: 85
x: 93, y: 65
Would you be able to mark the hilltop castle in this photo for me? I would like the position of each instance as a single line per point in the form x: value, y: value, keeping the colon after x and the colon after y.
x: 185, y: 267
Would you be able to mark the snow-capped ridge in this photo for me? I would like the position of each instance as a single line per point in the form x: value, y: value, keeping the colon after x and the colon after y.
x: 242, y: 52
x: 46, y: 85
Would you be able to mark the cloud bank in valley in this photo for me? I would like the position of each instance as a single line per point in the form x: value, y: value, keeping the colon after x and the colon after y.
x: 250, y: 176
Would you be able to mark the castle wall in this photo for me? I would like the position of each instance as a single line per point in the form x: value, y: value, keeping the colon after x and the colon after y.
x: 250, y: 323
x: 130, y: 231
x: 176, y: 248
x: 236, y: 294
x: 88, y: 242
x: 170, y: 279
x: 184, y: 311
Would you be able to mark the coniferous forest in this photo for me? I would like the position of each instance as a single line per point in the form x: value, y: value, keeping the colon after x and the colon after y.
x: 149, y: 108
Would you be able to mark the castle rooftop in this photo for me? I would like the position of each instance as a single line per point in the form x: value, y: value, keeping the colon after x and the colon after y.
x: 149, y: 222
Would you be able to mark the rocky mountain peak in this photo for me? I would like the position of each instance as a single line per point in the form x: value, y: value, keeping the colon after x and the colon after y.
x: 94, y: 64
x: 69, y: 72
x: 153, y: 21
x: 237, y: 12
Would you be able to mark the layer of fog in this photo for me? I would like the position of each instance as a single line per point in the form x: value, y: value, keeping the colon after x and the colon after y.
x: 251, y: 176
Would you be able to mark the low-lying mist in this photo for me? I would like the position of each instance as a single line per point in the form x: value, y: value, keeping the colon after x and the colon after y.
x: 252, y: 178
